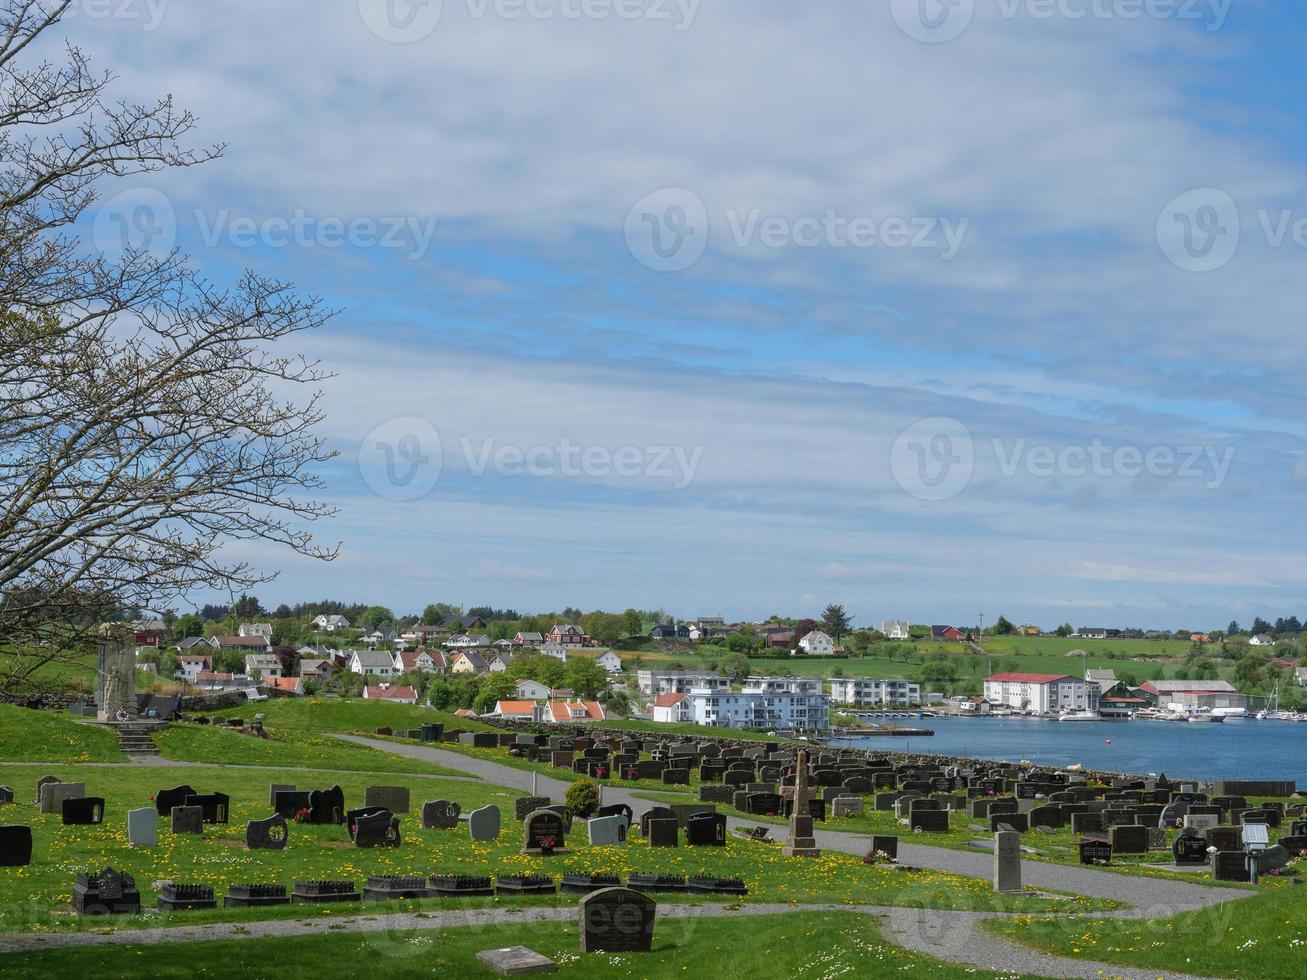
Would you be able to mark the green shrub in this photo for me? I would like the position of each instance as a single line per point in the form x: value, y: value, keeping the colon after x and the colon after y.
x: 583, y: 797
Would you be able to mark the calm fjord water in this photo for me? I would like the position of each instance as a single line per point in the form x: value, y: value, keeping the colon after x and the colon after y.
x: 1240, y: 749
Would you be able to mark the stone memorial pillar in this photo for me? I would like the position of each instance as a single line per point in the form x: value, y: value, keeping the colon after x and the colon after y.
x: 117, y: 673
x: 1007, y: 862
x: 801, y: 842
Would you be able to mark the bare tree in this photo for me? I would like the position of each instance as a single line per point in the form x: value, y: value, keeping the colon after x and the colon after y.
x: 146, y: 415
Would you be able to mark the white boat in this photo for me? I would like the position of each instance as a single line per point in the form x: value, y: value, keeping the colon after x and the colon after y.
x: 1229, y: 712
x: 1203, y: 718
x: 1085, y: 715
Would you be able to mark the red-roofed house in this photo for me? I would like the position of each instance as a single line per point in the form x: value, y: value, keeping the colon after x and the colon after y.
x: 672, y: 707
x: 420, y: 661
x: 562, y: 711
x: 397, y: 693
x: 1041, y: 694
x: 519, y: 710
x: 285, y: 685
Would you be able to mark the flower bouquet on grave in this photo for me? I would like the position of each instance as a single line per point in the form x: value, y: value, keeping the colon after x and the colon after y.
x: 302, y: 814
x: 547, y: 845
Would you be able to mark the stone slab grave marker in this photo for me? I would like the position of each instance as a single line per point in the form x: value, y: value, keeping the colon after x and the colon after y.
x: 1129, y: 839
x: 43, y: 781
x: 373, y: 826
x: 83, y: 811
x: 54, y: 794
x: 15, y: 846
x: 143, y: 827
x: 107, y: 893
x: 215, y: 806
x: 187, y: 820
x: 393, y: 798
x: 1093, y: 850
x: 543, y: 833
x: 1007, y: 862
x: 274, y: 789
x: 166, y: 799
x: 662, y: 831
x: 706, y: 830
x: 606, y: 831
x: 1189, y: 849
x: 326, y: 806
x: 483, y: 823
x: 1157, y: 839
x: 847, y: 806
x: 617, y: 920
x: 655, y: 813
x: 440, y: 815
x: 514, y: 961
x: 269, y: 834
x: 174, y: 897
x: 524, y: 806
x: 6, y: 795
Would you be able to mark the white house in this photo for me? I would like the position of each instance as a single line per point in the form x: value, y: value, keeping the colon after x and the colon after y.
x: 863, y: 692
x: 1039, y: 693
x: 1301, y: 674
x: 372, y: 663
x: 673, y: 709
x: 529, y: 690
x: 193, y: 664
x: 396, y: 694
x: 1261, y: 640
x: 330, y: 624
x: 555, y: 650
x: 528, y: 639
x: 817, y: 644
x: 895, y: 629
x: 262, y: 665
x: 610, y: 662
x: 255, y: 629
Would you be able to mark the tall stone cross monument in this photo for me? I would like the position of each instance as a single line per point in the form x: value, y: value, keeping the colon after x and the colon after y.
x: 117, y: 673
x: 801, y: 842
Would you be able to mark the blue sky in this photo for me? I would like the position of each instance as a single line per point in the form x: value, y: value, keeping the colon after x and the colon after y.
x: 760, y: 305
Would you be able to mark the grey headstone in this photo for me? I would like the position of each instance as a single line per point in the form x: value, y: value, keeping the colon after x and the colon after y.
x: 143, y: 827
x: 6, y: 795
x: 1201, y: 821
x: 847, y: 806
x: 1007, y: 862
x: 483, y: 823
x: 393, y: 798
x: 604, y: 831
x: 188, y: 820
x: 513, y: 961
x: 54, y: 794
x: 44, y: 781
x: 274, y: 789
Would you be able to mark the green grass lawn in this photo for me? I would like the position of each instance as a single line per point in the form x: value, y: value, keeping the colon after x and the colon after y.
x: 346, y: 715
x: 800, y: 945
x: 1261, y: 937
x: 220, y: 858
x: 287, y: 747
x: 47, y: 736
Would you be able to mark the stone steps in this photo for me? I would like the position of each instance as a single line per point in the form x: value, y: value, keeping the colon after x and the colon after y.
x: 135, y: 739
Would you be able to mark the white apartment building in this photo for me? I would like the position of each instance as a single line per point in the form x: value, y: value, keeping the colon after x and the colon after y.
x: 657, y: 682
x: 783, y: 685
x: 863, y: 692
x: 760, y: 709
x: 1040, y: 693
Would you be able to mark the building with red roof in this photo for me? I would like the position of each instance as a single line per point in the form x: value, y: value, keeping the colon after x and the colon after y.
x: 1041, y: 694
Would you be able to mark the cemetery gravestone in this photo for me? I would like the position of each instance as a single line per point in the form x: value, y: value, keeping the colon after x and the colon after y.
x: 83, y: 811
x: 661, y: 831
x: 274, y: 789
x: 270, y: 834
x: 1189, y: 849
x: 214, y: 805
x: 108, y: 893
x: 143, y: 827
x: 166, y: 799
x: 6, y: 795
x: 187, y: 820
x: 543, y: 833
x: 440, y: 815
x: 43, y: 782
x: 377, y: 829
x: 617, y: 920
x: 1093, y: 850
x: 393, y: 798
x: 483, y: 823
x: 54, y: 794
x: 605, y: 831
x: 524, y: 806
x: 15, y: 846
x: 325, y: 806
x: 706, y: 830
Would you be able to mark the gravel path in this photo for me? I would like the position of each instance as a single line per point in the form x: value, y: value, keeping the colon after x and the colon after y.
x: 938, y: 934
